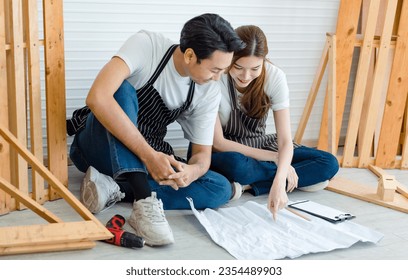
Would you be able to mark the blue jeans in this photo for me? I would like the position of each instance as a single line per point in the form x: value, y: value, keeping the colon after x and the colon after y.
x: 312, y: 166
x: 95, y: 146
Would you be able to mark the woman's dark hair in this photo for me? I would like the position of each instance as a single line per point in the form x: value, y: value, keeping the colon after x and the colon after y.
x: 208, y: 33
x: 254, y: 99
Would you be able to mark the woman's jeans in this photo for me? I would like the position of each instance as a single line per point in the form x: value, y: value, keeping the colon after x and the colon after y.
x: 312, y: 166
x: 95, y: 146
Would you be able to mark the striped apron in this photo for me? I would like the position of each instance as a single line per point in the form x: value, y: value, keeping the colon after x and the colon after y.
x: 153, y: 115
x: 246, y: 130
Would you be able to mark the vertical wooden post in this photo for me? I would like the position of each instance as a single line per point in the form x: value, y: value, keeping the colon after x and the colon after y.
x: 369, y: 117
x: 17, y: 95
x: 4, y: 146
x: 396, y: 97
x: 312, y: 93
x: 346, y: 29
x: 55, y: 91
x: 360, y: 83
x: 34, y: 89
x: 331, y: 97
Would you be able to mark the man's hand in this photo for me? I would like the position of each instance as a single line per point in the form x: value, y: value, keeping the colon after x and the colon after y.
x: 161, y: 166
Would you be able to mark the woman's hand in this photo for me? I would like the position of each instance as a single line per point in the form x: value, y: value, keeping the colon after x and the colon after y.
x: 278, y: 197
x: 292, y: 179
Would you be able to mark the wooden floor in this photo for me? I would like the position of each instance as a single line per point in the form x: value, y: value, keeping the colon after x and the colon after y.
x: 193, y: 243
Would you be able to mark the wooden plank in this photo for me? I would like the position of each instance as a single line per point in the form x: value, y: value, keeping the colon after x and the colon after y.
x: 366, y: 193
x: 47, y: 248
x: 17, y: 96
x: 312, y: 94
x: 34, y: 90
x: 34, y: 235
x: 370, y: 116
x: 346, y: 29
x: 4, y: 147
x: 40, y: 168
x: 55, y: 91
x: 323, y: 141
x: 360, y: 83
x: 331, y: 100
x: 28, y: 201
x: 396, y: 98
x: 404, y: 153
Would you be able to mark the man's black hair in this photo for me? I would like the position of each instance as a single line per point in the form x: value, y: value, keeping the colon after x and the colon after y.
x: 208, y: 33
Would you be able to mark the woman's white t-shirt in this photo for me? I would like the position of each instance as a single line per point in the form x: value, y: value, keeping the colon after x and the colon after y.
x: 142, y: 53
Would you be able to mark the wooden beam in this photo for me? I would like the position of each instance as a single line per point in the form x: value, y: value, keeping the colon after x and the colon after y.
x: 346, y: 30
x: 55, y: 91
x: 34, y: 91
x: 360, y: 84
x: 17, y: 95
x: 396, y: 98
x: 4, y: 147
x: 29, y: 202
x: 312, y: 94
x: 370, y: 116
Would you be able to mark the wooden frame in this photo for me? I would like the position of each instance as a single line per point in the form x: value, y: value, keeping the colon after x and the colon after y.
x: 375, y: 134
x: 52, y: 237
x: 21, y: 96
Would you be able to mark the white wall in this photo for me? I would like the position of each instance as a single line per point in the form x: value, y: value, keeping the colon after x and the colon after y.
x: 95, y: 29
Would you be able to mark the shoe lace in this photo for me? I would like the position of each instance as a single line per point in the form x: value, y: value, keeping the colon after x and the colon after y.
x: 154, y: 210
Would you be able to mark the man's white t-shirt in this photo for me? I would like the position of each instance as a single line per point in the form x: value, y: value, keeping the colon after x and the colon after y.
x: 276, y: 87
x: 142, y: 53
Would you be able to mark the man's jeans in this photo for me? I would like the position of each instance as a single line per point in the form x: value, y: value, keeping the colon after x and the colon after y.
x: 95, y: 146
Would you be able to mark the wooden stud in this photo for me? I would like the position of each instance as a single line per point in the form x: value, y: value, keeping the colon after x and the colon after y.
x: 404, y: 153
x: 312, y: 94
x: 34, y: 90
x: 4, y: 147
x: 370, y: 116
x: 360, y: 84
x: 28, y: 201
x: 17, y: 96
x: 396, y: 98
x: 63, y: 246
x: 55, y: 91
x: 346, y: 29
x: 331, y: 94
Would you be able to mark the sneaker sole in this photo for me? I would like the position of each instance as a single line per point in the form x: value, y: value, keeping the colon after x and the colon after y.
x: 149, y: 241
x: 89, y: 194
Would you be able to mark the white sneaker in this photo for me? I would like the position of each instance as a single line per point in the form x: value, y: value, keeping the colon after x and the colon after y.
x: 315, y: 187
x: 238, y: 190
x: 149, y: 222
x: 99, y: 191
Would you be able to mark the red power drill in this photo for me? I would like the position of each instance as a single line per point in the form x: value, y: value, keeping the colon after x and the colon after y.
x: 121, y: 237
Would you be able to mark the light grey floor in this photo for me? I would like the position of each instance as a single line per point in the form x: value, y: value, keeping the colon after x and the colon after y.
x: 193, y: 242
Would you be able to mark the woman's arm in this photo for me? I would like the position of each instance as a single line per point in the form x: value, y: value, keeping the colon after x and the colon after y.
x: 224, y: 145
x: 278, y: 197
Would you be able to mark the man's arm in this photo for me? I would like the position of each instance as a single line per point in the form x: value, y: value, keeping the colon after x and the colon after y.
x: 105, y: 108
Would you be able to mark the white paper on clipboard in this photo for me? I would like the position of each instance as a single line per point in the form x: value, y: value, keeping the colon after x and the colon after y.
x: 325, y: 212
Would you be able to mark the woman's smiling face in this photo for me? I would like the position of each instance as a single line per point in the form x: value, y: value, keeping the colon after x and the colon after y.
x: 246, y: 69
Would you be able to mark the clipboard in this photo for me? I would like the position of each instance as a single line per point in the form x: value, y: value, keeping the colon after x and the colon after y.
x: 324, y: 212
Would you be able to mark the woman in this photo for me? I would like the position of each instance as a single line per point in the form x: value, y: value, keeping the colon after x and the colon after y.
x: 242, y: 151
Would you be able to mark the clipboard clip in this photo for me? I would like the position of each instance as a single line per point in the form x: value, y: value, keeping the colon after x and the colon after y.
x: 343, y: 217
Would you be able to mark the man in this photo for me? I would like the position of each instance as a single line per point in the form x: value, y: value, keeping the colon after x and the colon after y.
x: 147, y: 85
